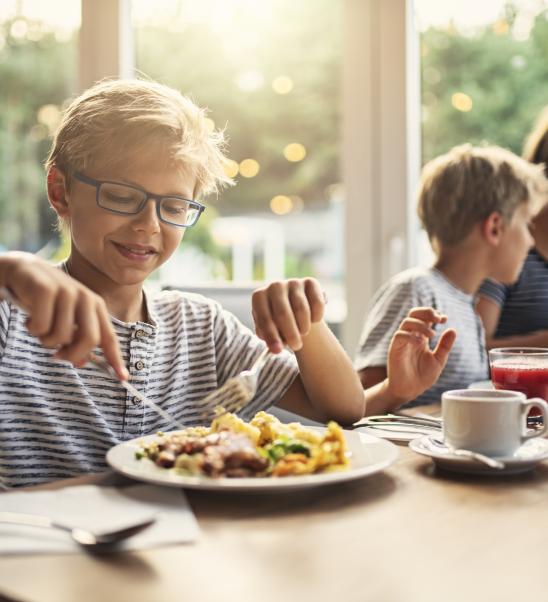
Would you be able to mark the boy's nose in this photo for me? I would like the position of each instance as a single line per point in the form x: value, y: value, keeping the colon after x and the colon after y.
x: 147, y: 218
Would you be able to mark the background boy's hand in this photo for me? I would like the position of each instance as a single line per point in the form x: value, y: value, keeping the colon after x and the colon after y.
x: 284, y: 312
x: 412, y: 366
x: 62, y: 313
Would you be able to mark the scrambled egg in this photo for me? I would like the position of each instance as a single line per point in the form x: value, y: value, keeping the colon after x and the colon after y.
x: 292, y: 448
x: 263, y: 447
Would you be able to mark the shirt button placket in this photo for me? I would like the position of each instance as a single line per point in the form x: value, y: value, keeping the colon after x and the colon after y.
x: 138, y: 343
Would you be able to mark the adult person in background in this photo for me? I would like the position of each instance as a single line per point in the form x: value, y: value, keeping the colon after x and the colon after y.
x: 517, y: 315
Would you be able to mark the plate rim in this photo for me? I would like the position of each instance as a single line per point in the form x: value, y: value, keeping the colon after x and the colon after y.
x: 255, y: 485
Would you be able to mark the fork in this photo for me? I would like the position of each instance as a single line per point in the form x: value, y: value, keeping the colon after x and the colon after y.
x: 235, y: 393
x: 396, y: 419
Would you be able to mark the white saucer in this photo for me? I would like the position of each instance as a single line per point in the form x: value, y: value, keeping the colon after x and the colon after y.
x: 525, y: 458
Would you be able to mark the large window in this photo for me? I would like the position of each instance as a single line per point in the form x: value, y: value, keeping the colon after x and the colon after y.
x: 37, y: 74
x: 269, y: 72
x: 484, y: 68
x: 484, y: 71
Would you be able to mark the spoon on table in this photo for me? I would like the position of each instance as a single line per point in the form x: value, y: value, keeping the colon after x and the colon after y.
x: 92, y: 542
x: 468, y: 453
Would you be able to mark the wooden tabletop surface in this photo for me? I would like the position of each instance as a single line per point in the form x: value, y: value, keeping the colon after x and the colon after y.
x: 410, y: 533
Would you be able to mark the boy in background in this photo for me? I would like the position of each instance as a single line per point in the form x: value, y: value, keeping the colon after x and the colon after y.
x: 475, y: 204
x: 128, y: 162
x: 516, y: 315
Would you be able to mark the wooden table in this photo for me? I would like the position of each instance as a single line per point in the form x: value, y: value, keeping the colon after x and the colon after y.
x: 408, y: 534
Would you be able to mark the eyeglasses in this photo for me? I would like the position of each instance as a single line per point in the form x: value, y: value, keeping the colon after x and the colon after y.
x: 125, y: 199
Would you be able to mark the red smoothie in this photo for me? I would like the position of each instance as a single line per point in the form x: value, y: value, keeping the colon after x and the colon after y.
x: 525, y: 375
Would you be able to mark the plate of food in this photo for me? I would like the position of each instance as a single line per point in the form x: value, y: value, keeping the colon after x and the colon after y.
x: 262, y: 454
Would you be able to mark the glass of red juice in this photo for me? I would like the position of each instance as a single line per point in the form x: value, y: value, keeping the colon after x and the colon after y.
x: 522, y: 369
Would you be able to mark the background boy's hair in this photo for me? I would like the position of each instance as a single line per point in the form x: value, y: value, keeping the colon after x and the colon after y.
x: 535, y: 149
x: 463, y: 187
x: 117, y: 121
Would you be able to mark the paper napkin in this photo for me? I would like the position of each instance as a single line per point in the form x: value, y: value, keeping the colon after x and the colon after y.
x: 98, y: 509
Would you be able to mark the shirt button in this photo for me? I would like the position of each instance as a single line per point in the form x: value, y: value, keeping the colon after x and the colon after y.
x: 139, y: 334
x: 136, y: 401
x: 139, y: 365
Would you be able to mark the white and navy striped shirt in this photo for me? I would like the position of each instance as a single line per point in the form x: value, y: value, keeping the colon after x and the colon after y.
x: 57, y: 421
x: 426, y: 287
x: 524, y: 305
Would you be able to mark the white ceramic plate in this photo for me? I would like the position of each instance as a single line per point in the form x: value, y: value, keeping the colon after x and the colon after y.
x: 368, y: 456
x: 525, y: 458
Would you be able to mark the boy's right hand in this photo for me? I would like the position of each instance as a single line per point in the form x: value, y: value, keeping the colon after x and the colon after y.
x: 412, y: 366
x: 62, y: 313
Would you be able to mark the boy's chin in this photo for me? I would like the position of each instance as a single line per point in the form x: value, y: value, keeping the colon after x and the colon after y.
x: 132, y: 276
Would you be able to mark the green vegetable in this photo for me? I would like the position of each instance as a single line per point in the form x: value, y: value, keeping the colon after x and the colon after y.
x: 276, y: 452
x: 281, y: 447
x: 298, y: 448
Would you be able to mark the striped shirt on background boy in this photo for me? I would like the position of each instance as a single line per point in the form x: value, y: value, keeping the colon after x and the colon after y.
x: 427, y: 287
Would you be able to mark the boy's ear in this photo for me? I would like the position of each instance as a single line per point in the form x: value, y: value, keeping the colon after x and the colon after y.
x: 493, y: 228
x: 57, y: 191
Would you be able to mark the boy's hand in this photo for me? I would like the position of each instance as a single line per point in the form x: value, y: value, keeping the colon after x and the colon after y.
x: 412, y: 366
x: 62, y: 313
x: 284, y: 312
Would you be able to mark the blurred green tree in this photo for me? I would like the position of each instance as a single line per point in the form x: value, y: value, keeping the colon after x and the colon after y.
x: 298, y: 40
x: 499, y: 78
x: 36, y: 69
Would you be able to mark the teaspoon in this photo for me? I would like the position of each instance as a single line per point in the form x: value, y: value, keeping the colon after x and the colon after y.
x: 468, y: 453
x: 93, y: 542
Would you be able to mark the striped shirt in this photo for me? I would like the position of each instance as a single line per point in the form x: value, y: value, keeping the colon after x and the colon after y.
x: 524, y: 305
x: 57, y: 421
x: 426, y: 287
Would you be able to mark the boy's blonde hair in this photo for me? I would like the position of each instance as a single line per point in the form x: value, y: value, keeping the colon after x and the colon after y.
x: 536, y: 145
x: 463, y: 187
x: 117, y: 121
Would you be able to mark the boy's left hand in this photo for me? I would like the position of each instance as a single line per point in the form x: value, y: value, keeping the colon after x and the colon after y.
x: 412, y: 366
x: 284, y: 312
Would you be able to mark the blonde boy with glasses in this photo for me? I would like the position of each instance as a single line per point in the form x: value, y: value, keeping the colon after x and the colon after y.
x: 475, y: 203
x: 128, y: 163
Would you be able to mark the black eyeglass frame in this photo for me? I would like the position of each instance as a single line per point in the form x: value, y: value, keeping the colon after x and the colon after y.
x: 148, y: 195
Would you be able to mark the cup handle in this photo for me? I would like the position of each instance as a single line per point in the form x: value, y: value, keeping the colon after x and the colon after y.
x: 526, y: 407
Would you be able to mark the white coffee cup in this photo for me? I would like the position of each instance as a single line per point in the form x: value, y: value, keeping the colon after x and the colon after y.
x: 493, y: 423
